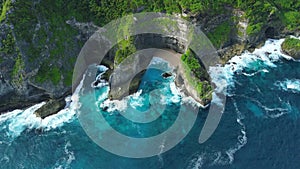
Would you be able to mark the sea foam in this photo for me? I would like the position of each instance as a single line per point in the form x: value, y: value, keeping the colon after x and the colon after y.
x: 250, y: 64
x: 290, y: 85
x: 247, y: 64
x: 17, y: 121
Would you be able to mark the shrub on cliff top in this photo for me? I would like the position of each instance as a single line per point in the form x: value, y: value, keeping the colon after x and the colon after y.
x: 291, y: 44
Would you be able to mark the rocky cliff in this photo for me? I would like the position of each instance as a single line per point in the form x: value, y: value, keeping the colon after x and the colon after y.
x: 40, y: 41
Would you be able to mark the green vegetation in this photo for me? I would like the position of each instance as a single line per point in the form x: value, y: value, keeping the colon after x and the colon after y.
x: 41, y: 26
x: 254, y: 29
x: 68, y: 75
x: 258, y: 12
x: 47, y: 72
x: 196, y: 75
x: 291, y: 44
x: 292, y: 20
x: 126, y: 48
x: 125, y: 45
x: 5, y: 8
x: 8, y: 44
x: 221, y: 34
x: 17, y: 73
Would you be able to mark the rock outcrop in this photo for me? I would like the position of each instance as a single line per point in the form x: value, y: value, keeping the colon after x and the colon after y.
x: 24, y: 84
x: 291, y: 46
x: 167, y: 74
x: 51, y: 107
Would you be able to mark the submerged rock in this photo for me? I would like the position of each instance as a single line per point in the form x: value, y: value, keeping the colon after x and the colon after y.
x: 50, y: 108
x: 167, y: 74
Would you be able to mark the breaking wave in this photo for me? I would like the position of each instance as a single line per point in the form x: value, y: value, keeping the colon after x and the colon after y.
x: 260, y: 61
x: 15, y: 122
x: 290, y: 85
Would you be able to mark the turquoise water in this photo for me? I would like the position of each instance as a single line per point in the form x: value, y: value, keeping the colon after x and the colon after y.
x: 260, y: 127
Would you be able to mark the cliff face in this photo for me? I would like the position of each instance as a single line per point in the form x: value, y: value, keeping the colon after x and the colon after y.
x: 37, y: 64
x: 28, y: 77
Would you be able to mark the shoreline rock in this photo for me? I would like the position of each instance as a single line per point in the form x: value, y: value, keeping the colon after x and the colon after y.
x: 50, y: 108
x: 236, y: 44
x: 291, y: 47
x: 166, y: 75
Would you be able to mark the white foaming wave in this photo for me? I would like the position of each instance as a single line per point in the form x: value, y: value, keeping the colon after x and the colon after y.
x: 100, y: 82
x: 192, y: 102
x: 268, y: 54
x: 272, y: 112
x: 238, y: 63
x: 242, y: 139
x: 177, y: 94
x: 137, y: 94
x: 102, y: 68
x: 272, y: 46
x: 174, y: 89
x: 292, y: 85
x: 157, y: 61
x: 113, y: 105
x: 211, y: 158
x: 136, y: 100
x: 17, y: 121
x: 282, y: 111
x: 9, y: 115
x: 103, y: 96
x: 26, y: 119
x: 66, y: 115
x: 66, y: 160
x: 221, y: 83
x: 197, y: 162
x: 254, y: 73
x: 216, y: 99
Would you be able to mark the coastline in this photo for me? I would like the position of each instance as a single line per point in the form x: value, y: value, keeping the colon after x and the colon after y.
x: 234, y: 66
x: 175, y: 62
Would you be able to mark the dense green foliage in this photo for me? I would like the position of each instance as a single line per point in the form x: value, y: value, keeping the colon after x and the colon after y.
x: 258, y: 13
x: 45, y: 72
x: 196, y: 75
x: 8, y: 44
x: 125, y: 46
x: 41, y: 25
x: 220, y: 34
x: 5, y: 7
x: 291, y: 44
x: 17, y: 73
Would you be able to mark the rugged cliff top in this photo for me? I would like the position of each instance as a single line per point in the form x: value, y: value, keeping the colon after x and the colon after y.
x: 40, y: 40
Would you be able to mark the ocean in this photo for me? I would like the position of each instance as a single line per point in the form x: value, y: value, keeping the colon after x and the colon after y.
x: 260, y: 126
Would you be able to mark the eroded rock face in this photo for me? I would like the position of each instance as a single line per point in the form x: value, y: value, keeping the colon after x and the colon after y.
x: 28, y: 91
x: 295, y: 53
x: 51, y: 107
x: 126, y: 77
x: 291, y: 46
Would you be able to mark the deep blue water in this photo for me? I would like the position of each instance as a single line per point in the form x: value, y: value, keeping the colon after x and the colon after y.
x: 260, y: 127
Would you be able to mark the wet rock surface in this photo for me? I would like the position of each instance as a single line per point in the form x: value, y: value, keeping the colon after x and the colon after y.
x: 51, y: 107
